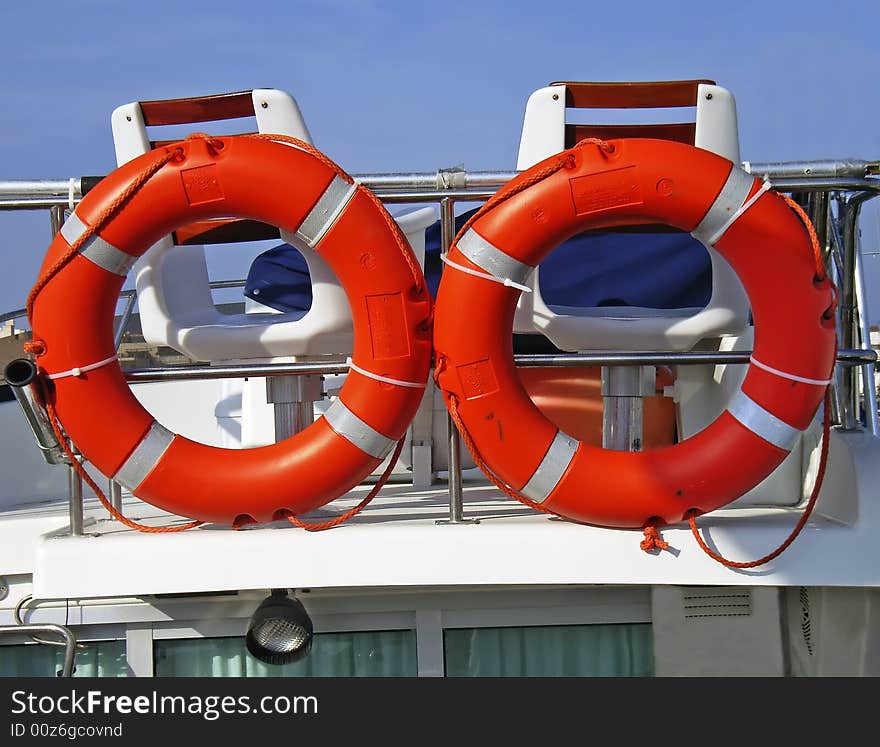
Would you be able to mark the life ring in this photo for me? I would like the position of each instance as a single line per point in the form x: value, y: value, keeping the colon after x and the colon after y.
x: 292, y: 189
x: 634, y: 181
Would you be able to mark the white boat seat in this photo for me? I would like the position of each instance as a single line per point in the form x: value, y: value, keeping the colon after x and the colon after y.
x: 174, y: 295
x: 546, y: 132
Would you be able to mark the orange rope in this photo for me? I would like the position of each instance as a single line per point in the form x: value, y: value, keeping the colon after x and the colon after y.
x: 653, y: 540
x: 480, y: 462
x: 517, y: 185
x: 87, y: 478
x: 814, y: 495
x: 330, y: 523
x: 103, y: 218
x: 821, y: 275
x: 814, y: 239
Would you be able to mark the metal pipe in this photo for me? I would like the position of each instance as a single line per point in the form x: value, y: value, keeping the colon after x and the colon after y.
x: 40, y: 188
x: 848, y: 306
x: 836, y: 401
x: 836, y: 247
x: 130, y: 297
x: 848, y: 167
x: 826, y: 184
x: 32, y: 203
x: 451, y: 181
x: 434, y: 196
x: 622, y: 390
x: 869, y: 382
x: 62, y: 631
x: 20, y: 375
x: 75, y: 499
x: 456, y: 500
x: 12, y: 315
x: 293, y: 398
x: 458, y: 178
x: 612, y: 358
x: 443, y: 180
x: 481, y: 192
x: 115, y: 490
x: 615, y: 358
x: 56, y: 219
x: 819, y: 203
x: 184, y: 373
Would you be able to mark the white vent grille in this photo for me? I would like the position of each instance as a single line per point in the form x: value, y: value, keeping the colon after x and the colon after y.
x: 806, y: 619
x: 717, y: 601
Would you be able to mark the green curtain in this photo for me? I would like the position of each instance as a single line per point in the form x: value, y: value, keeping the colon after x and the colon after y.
x: 624, y: 650
x: 386, y: 653
x: 100, y: 659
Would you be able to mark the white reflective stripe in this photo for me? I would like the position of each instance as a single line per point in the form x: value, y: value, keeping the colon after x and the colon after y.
x: 746, y: 205
x: 352, y: 428
x: 73, y: 228
x: 790, y: 377
x: 730, y: 199
x: 80, y: 370
x: 95, y: 249
x: 146, y: 455
x: 385, y: 379
x: 492, y: 259
x: 551, y: 469
x: 485, y: 275
x: 762, y: 422
x: 325, y: 211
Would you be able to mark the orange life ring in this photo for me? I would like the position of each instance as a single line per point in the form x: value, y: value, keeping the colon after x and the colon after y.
x: 296, y: 191
x: 635, y: 181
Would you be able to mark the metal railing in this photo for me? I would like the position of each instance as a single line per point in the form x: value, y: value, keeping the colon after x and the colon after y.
x: 846, y: 183
x: 62, y: 631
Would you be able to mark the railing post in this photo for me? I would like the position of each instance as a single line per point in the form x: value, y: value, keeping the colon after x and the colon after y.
x: 293, y: 398
x: 56, y: 218
x: 623, y: 388
x: 115, y: 490
x: 456, y: 499
x: 869, y: 382
x: 849, y: 332
x: 75, y: 491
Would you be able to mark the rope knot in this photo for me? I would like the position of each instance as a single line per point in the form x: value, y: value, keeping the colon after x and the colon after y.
x: 215, y: 144
x: 35, y: 347
x: 604, y: 146
x: 653, y: 540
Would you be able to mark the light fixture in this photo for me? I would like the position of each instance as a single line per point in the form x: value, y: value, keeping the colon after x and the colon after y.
x: 280, y: 631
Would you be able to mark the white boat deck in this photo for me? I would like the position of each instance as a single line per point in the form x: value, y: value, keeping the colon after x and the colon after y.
x: 397, y: 542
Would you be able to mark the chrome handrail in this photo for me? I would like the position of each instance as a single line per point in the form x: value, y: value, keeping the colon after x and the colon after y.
x: 807, y: 176
x: 62, y: 631
x: 848, y: 357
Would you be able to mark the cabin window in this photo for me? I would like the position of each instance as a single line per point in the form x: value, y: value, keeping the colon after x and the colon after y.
x: 384, y: 653
x: 623, y: 650
x: 97, y: 659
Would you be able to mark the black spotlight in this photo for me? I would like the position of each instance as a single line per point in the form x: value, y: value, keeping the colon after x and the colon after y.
x: 280, y: 631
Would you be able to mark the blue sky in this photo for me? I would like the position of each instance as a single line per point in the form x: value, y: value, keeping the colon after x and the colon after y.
x: 388, y: 86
